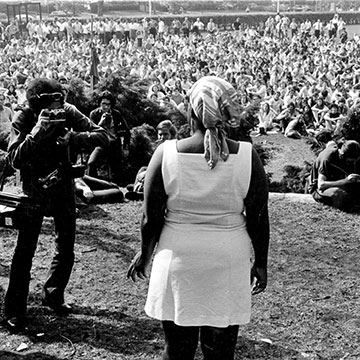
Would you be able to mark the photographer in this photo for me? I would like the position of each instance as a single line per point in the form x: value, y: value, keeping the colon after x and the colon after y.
x: 42, y: 136
x: 118, y: 130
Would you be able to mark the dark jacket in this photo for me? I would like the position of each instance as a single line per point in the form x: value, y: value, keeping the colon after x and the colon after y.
x: 38, y: 158
x: 120, y: 126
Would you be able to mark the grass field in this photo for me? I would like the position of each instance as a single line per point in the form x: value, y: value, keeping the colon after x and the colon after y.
x: 309, y: 311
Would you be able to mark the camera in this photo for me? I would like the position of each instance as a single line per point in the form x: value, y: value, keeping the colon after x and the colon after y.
x: 53, y: 115
x: 50, y: 180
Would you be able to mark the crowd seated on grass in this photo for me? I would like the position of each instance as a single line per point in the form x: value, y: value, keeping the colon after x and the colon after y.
x: 300, y: 70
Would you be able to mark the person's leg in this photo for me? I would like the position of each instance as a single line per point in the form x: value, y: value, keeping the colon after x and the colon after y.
x: 115, y: 161
x: 18, y: 289
x: 180, y: 341
x: 218, y: 343
x: 98, y: 184
x: 93, y: 161
x: 334, y: 197
x: 63, y: 260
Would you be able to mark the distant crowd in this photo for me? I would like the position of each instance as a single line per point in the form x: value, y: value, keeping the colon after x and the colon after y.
x: 305, y: 76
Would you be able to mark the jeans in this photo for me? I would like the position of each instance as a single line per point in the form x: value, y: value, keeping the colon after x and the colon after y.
x: 63, y: 212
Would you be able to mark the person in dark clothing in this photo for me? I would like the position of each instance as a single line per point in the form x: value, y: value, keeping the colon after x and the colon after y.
x: 335, y: 175
x: 118, y: 130
x: 42, y: 137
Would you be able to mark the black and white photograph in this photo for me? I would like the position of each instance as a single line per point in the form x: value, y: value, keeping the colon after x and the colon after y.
x: 179, y: 180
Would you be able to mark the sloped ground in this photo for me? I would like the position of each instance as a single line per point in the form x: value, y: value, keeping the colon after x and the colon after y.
x: 284, y: 151
x: 309, y: 311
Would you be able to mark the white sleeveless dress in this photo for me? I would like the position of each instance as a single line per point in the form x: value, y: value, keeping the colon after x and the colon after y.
x: 201, y: 269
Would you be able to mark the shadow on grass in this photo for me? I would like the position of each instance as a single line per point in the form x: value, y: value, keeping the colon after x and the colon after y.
x: 9, y: 355
x: 106, y: 240
x: 99, y: 236
x: 88, y: 212
x: 124, y: 335
x: 112, y: 331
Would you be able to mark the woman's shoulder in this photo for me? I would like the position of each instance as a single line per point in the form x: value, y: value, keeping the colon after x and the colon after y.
x: 233, y: 146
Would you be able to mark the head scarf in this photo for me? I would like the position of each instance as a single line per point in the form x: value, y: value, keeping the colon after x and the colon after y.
x: 215, y: 103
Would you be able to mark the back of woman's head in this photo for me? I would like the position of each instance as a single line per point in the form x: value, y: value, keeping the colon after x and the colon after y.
x: 214, y: 101
x: 214, y: 104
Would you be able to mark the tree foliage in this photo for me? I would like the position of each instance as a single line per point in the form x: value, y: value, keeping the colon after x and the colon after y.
x: 349, y: 128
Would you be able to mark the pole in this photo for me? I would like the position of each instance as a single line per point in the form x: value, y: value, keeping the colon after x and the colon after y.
x: 92, y: 82
x: 92, y: 31
x: 278, y: 6
x: 150, y: 10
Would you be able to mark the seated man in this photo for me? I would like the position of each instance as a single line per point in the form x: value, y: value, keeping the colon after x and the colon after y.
x: 333, y: 117
x: 334, y: 178
x: 288, y: 114
x: 118, y: 130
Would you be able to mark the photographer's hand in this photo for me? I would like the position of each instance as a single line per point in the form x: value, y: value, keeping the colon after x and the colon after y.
x: 64, y: 140
x: 45, y: 128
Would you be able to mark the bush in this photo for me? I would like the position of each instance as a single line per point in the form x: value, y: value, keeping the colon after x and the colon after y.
x: 131, y: 100
x: 294, y: 180
x: 349, y: 128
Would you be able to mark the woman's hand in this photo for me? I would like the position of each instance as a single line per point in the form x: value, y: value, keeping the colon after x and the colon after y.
x: 258, y: 279
x: 138, y: 267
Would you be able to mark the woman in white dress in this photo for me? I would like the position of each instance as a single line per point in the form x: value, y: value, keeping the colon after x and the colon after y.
x: 197, y: 191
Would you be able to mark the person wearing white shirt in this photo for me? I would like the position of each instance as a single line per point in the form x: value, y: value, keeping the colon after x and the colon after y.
x: 266, y: 116
x: 77, y: 26
x: 198, y: 26
x: 211, y: 27
x: 115, y: 42
x: 317, y: 28
x: 108, y: 28
x: 161, y: 28
x: 259, y: 89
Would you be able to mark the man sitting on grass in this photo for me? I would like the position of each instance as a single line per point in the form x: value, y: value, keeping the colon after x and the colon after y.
x: 334, y: 178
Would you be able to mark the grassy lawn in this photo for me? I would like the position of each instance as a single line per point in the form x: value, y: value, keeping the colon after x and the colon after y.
x: 309, y: 311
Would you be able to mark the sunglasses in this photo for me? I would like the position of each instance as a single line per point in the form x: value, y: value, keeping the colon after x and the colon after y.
x: 57, y: 96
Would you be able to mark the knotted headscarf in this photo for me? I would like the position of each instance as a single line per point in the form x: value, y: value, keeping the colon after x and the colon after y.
x: 215, y: 103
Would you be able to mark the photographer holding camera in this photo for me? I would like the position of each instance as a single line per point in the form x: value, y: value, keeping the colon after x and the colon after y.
x: 42, y: 136
x: 118, y: 130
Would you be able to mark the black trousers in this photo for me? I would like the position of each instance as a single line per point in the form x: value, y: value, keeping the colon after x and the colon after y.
x: 112, y: 155
x: 216, y: 343
x: 63, y: 212
x: 344, y: 199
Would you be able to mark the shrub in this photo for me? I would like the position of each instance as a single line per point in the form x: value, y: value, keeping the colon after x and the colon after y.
x: 294, y: 180
x: 350, y: 127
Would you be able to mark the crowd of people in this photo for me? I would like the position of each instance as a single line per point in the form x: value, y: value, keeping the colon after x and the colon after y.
x: 305, y: 75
